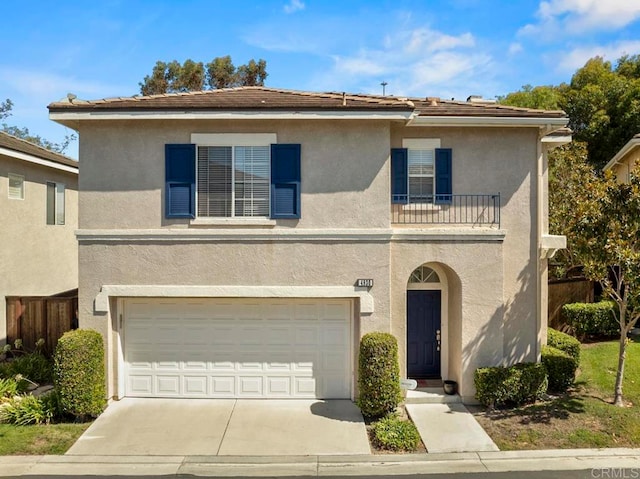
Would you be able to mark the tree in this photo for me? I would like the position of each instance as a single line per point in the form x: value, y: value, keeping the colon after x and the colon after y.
x: 220, y: 72
x: 540, y: 97
x: 24, y: 134
x: 606, y: 240
x: 569, y: 171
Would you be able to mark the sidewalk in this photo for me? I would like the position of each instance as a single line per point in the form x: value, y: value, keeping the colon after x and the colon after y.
x: 317, y: 466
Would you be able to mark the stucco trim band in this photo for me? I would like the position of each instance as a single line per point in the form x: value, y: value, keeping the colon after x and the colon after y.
x: 101, y: 304
x: 482, y: 121
x: 246, y: 235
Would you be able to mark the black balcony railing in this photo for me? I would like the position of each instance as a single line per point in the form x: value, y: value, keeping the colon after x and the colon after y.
x: 474, y: 210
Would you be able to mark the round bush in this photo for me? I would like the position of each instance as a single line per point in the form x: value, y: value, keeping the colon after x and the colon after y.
x: 564, y: 342
x: 561, y: 368
x: 79, y: 373
x: 378, y: 375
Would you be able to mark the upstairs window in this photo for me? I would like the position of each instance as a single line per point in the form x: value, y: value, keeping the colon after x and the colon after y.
x: 233, y: 175
x: 16, y: 187
x: 233, y: 181
x: 421, y: 172
x: 55, y: 203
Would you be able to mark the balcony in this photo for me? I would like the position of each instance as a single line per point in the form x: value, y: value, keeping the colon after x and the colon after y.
x: 469, y: 210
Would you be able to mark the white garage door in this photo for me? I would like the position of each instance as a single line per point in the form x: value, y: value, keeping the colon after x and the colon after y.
x: 237, y: 348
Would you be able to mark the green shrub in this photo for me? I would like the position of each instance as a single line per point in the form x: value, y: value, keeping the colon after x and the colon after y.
x: 24, y: 410
x: 564, y: 342
x: 10, y: 387
x: 79, y: 373
x: 561, y: 368
x: 32, y: 366
x: 517, y: 384
x: 592, y: 318
x: 394, y: 434
x: 52, y: 405
x: 378, y: 374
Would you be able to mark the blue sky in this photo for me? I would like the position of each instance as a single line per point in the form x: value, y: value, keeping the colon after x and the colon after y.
x: 449, y: 49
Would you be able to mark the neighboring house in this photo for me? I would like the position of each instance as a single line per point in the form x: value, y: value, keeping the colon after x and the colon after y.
x: 38, y: 218
x: 628, y: 158
x: 239, y: 242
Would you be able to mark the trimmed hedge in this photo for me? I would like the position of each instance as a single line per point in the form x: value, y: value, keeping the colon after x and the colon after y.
x: 592, y: 318
x: 561, y: 368
x: 79, y: 373
x: 378, y: 375
x: 394, y: 434
x: 517, y: 384
x: 564, y: 342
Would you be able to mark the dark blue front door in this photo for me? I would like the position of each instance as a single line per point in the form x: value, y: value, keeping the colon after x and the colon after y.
x: 423, y: 334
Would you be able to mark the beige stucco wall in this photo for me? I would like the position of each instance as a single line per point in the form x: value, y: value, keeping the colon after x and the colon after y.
x: 623, y: 169
x: 36, y: 258
x: 343, y: 166
x: 492, y: 281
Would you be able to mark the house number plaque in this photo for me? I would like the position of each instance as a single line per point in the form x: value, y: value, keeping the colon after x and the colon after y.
x: 364, y: 283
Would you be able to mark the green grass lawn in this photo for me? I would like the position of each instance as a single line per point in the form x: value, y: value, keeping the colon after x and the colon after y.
x: 585, y: 416
x: 35, y: 440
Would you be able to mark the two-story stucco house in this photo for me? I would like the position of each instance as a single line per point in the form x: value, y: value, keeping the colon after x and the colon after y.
x: 626, y: 160
x: 38, y: 219
x: 239, y: 242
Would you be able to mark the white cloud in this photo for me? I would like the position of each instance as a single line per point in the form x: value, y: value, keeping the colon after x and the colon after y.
x: 293, y: 6
x: 51, y: 87
x: 515, y: 48
x: 577, y: 17
x: 577, y: 57
x: 417, y: 62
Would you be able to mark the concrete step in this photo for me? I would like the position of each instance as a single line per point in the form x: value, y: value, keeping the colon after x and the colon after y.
x: 430, y: 396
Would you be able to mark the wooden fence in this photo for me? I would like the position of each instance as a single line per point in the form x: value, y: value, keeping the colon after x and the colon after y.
x: 31, y: 318
x: 564, y: 291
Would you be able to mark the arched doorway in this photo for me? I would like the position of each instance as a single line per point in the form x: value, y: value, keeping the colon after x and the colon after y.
x: 424, y: 323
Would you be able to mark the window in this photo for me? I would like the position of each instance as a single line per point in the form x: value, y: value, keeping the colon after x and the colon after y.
x: 233, y: 181
x: 421, y: 172
x: 233, y: 175
x: 55, y: 203
x: 16, y: 187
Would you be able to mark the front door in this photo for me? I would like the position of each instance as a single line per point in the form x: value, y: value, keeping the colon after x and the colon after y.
x: 423, y: 334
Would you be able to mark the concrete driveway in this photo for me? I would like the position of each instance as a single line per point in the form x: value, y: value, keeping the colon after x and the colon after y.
x: 229, y: 427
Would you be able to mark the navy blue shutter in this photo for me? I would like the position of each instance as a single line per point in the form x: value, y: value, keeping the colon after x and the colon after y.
x: 285, y: 181
x: 443, y: 175
x: 180, y: 178
x: 399, y: 175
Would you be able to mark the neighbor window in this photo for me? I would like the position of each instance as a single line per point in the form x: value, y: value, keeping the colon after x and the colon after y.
x: 16, y: 187
x: 233, y: 181
x: 55, y: 203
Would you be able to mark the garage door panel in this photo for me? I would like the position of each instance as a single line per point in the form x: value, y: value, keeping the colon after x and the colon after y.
x: 238, y: 348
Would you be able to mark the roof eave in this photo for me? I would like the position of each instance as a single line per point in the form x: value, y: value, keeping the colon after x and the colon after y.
x: 624, y: 151
x: 489, y: 121
x: 37, y: 160
x: 70, y: 117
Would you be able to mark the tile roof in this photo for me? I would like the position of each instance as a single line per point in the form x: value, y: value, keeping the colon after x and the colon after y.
x: 265, y: 98
x: 11, y: 142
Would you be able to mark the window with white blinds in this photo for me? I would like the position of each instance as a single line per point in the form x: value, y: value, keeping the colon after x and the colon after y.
x: 233, y: 181
x: 421, y: 174
x: 16, y: 187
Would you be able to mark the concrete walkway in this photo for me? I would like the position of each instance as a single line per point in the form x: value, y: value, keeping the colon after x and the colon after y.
x: 208, y: 427
x: 449, y: 428
x: 600, y: 461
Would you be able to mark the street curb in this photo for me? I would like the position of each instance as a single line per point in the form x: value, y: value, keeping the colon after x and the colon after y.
x: 317, y: 466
